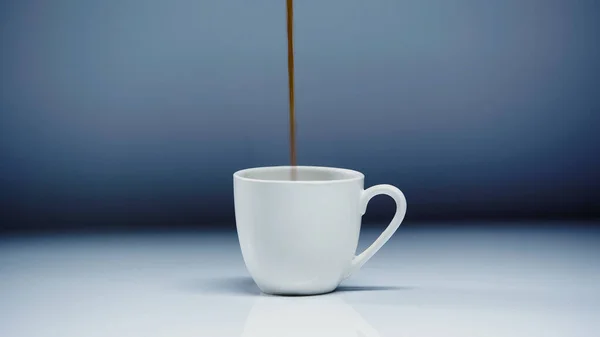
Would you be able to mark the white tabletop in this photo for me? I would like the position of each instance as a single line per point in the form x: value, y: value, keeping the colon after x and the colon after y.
x: 424, y: 282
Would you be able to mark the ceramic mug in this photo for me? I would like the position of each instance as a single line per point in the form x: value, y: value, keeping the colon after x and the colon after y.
x: 299, y: 226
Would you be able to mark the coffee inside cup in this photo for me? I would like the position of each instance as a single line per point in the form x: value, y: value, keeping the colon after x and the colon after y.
x: 302, y: 173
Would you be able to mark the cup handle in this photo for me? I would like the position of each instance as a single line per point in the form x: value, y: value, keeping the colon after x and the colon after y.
x: 365, y: 197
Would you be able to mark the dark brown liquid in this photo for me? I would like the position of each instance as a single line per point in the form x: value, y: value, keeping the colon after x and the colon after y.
x: 290, y: 38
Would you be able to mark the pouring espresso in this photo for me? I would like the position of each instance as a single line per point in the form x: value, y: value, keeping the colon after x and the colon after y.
x: 292, y: 119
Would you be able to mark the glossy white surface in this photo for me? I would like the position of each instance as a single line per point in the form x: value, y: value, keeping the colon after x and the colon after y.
x: 422, y: 283
x: 299, y: 226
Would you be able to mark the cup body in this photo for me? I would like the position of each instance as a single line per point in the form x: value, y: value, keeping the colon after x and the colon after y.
x: 298, y: 234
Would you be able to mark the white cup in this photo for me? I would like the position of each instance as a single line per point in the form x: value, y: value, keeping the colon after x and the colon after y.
x: 298, y: 226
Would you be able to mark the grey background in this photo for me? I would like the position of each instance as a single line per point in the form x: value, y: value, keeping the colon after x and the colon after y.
x: 135, y: 113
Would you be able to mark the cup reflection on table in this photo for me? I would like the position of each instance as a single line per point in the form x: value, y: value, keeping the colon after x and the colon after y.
x: 318, y: 316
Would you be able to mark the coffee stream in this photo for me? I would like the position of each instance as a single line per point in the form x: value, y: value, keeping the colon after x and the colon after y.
x: 290, y: 39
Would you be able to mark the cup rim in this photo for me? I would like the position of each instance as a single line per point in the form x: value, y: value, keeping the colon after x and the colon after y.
x: 353, y: 175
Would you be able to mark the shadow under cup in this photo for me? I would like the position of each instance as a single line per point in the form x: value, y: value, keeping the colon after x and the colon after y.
x: 298, y: 227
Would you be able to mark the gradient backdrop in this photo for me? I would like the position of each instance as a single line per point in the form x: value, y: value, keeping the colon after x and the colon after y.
x: 127, y: 113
